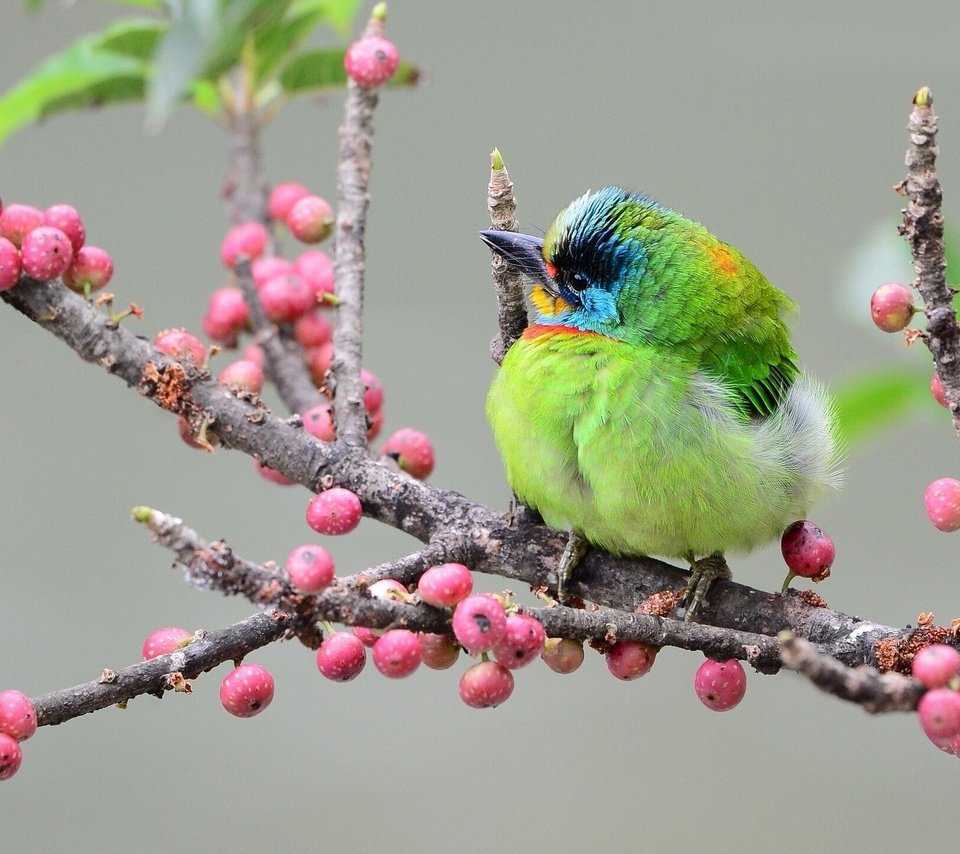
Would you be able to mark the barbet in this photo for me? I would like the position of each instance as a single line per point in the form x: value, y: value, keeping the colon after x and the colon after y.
x: 655, y: 405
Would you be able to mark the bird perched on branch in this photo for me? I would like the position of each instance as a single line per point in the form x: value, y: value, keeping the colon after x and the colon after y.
x: 655, y: 405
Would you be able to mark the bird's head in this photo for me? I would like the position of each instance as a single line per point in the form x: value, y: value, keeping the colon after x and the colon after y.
x: 588, y: 265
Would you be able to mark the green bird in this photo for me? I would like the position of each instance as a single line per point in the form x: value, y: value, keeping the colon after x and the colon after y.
x: 655, y: 405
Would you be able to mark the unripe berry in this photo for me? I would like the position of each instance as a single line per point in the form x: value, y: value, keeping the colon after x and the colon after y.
x: 334, y: 511
x: 245, y: 241
x: 318, y: 422
x: 285, y: 298
x: 389, y: 589
x: 264, y: 268
x: 562, y: 655
x: 313, y: 329
x: 283, y: 197
x: 397, y: 653
x: 486, y: 685
x: 936, y: 389
x: 891, y: 307
x: 807, y: 551
x: 412, y: 450
x: 227, y: 315
x: 444, y: 585
x: 310, y: 568
x: 18, y: 717
x: 9, y: 264
x: 243, y: 375
x: 17, y: 221
x: 272, y: 475
x: 10, y: 756
x: 371, y: 61
x: 90, y: 270
x: 164, y: 640
x: 247, y: 690
x: 66, y: 218
x: 310, y: 219
x: 942, y: 500
x: 631, y: 659
x: 720, y: 685
x: 939, y: 711
x: 341, y: 657
x: 46, y: 253
x: 479, y: 623
x: 934, y: 665
x: 439, y: 651
x: 181, y: 345
x: 521, y: 643
x: 316, y: 269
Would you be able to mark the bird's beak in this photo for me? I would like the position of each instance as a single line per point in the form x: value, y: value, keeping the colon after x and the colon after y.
x: 523, y: 252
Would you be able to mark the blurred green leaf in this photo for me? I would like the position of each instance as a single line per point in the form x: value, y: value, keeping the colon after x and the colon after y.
x: 868, y: 403
x: 132, y: 37
x: 316, y: 70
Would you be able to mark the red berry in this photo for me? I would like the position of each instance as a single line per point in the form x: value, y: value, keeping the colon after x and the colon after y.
x: 285, y: 298
x: 439, y: 651
x: 89, y: 271
x: 368, y: 637
x: 181, y: 345
x: 227, y: 315
x: 479, y: 623
x: 631, y: 659
x: 254, y: 353
x: 939, y: 711
x: 720, y: 685
x: 397, y: 653
x: 934, y: 665
x: 17, y: 221
x: 313, y: 329
x: 942, y: 499
x: 272, y: 475
x: 283, y: 197
x: 10, y: 756
x: 266, y: 267
x: 521, y: 643
x: 562, y: 655
x: 164, y: 640
x: 18, y: 717
x: 66, y: 218
x: 444, y: 585
x: 316, y: 269
x: 189, y: 436
x: 371, y: 61
x: 341, y: 657
x: 334, y: 511
x: 247, y: 690
x: 373, y: 391
x: 936, y: 389
x: 412, y: 451
x: 9, y: 264
x: 807, y: 551
x: 243, y: 242
x: 310, y: 219
x: 891, y: 307
x: 310, y: 568
x: 486, y: 685
x: 318, y: 422
x: 318, y: 360
x: 243, y: 376
x: 46, y: 253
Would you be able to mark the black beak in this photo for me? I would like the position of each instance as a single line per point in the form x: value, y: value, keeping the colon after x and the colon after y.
x: 523, y: 252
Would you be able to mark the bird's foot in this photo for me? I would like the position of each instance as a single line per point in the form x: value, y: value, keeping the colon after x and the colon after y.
x: 703, y: 573
x: 575, y: 549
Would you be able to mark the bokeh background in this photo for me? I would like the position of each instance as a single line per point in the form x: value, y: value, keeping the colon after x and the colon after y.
x: 779, y: 126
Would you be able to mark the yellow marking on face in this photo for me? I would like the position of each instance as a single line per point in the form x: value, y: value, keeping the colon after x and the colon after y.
x: 548, y: 305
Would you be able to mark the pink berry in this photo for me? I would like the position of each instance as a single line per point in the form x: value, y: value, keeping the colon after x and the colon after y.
x: 227, y: 315
x: 90, y: 270
x: 807, y: 551
x: 439, y: 651
x: 10, y: 756
x: 397, y: 653
x: 631, y: 659
x: 942, y: 499
x: 936, y: 389
x: 479, y: 623
x: 181, y: 345
x: 316, y: 269
x: 521, y: 643
x: 247, y: 690
x: 562, y: 655
x: 934, y: 665
x: 368, y: 637
x: 313, y: 329
x: 310, y: 568
x: 285, y: 298
x: 341, y: 657
x: 371, y: 61
x: 334, y: 511
x: 164, y: 640
x: 272, y: 475
x: 243, y: 376
x: 66, y: 218
x: 412, y: 450
x: 18, y: 717
x: 245, y: 241
x: 254, y: 353
x: 266, y: 267
x: 282, y: 198
x: 318, y: 422
x: 17, y: 221
x: 486, y: 685
x: 720, y: 685
x: 939, y: 711
x: 46, y: 253
x: 389, y: 589
x: 310, y: 219
x: 373, y: 391
x: 891, y: 307
x: 318, y: 360
x: 9, y: 264
x: 444, y: 585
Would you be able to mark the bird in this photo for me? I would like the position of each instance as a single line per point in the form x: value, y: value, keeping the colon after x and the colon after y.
x: 654, y: 404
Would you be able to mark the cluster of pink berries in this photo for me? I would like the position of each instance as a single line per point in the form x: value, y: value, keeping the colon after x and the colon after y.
x: 18, y: 721
x: 938, y: 667
x: 50, y: 244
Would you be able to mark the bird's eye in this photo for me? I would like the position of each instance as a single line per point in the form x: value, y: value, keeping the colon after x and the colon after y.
x: 577, y: 281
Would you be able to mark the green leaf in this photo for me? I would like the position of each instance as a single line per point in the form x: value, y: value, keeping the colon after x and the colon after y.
x: 132, y: 37
x: 871, y: 402
x: 316, y: 70
x: 113, y: 90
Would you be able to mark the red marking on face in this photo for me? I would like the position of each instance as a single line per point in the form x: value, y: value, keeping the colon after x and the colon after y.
x: 551, y: 269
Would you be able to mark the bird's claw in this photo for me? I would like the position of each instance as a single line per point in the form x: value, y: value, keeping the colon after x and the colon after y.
x: 574, y: 550
x: 703, y: 573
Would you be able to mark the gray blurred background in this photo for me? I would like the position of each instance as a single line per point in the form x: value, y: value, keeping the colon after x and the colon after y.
x: 781, y: 128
